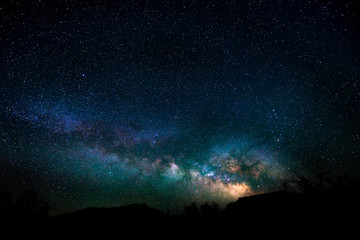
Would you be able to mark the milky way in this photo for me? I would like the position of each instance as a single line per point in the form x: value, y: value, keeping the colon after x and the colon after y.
x: 169, y: 102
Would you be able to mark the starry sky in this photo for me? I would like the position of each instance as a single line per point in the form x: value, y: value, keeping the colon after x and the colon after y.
x: 168, y: 102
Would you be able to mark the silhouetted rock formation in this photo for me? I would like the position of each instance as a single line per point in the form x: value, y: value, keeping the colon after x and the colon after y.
x: 328, y: 207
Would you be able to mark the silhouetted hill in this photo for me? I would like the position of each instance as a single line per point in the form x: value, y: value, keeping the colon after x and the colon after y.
x: 325, y: 210
x: 325, y: 206
x: 133, y: 211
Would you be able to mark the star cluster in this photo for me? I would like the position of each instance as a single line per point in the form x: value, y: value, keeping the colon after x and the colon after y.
x: 169, y: 102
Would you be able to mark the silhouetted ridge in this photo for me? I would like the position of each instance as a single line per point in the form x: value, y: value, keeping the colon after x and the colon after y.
x: 276, y: 210
x: 119, y: 214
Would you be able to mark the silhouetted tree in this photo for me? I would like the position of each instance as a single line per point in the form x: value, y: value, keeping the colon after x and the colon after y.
x: 209, y: 209
x: 27, y: 205
x: 320, y: 182
x: 299, y: 184
x: 191, y: 209
x: 6, y: 203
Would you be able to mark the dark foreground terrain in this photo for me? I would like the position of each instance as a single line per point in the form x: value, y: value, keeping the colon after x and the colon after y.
x: 277, y: 212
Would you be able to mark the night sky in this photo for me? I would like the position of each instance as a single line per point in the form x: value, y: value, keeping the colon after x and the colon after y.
x: 168, y: 102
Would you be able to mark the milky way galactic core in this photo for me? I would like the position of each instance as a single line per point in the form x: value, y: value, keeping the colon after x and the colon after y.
x: 172, y: 102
